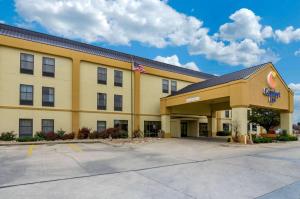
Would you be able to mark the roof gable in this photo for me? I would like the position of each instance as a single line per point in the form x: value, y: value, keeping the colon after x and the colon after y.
x: 238, y: 75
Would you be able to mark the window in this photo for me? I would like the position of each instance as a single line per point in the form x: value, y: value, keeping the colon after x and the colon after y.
x: 122, y: 125
x: 48, y: 96
x: 118, y: 78
x: 102, y: 75
x: 101, y: 126
x: 165, y: 86
x: 173, y: 86
x: 26, y: 94
x: 227, y: 114
x: 101, y: 101
x: 26, y: 63
x: 151, y: 128
x: 118, y: 102
x: 47, y: 125
x: 254, y: 127
x: 25, y: 127
x: 48, y: 67
x: 226, y: 127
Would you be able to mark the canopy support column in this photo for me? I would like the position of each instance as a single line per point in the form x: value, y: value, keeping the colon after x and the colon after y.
x: 240, y: 120
x: 286, y: 122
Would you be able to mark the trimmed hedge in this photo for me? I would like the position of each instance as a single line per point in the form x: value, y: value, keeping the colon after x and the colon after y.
x: 262, y: 140
x: 7, y: 136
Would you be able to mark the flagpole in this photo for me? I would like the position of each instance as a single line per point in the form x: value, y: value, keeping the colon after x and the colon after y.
x: 132, y: 71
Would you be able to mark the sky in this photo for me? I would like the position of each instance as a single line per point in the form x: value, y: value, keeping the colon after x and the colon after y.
x: 216, y: 36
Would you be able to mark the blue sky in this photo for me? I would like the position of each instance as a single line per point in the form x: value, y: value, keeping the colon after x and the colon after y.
x: 216, y: 36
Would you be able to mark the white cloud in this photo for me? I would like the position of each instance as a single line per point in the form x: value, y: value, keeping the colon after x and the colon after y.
x: 246, y: 52
x: 296, y: 88
x: 151, y: 22
x: 288, y: 35
x: 245, y: 25
x: 1, y: 21
x: 296, y: 108
x: 174, y: 60
x: 297, y: 53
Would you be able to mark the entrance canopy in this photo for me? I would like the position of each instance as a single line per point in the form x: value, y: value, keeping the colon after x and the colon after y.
x: 258, y: 86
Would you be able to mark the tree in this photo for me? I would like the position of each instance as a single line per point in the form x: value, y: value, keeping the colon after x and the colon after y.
x: 264, y: 117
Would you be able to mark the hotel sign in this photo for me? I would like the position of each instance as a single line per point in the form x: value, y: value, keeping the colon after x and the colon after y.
x: 270, y: 92
x: 192, y: 99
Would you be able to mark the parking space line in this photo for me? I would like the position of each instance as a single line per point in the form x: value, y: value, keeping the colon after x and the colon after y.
x: 74, y: 147
x: 30, y: 150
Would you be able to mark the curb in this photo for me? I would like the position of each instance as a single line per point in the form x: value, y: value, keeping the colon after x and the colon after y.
x: 76, y: 141
x: 54, y: 142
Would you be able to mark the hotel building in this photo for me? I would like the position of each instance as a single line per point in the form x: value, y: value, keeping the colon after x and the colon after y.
x: 49, y: 83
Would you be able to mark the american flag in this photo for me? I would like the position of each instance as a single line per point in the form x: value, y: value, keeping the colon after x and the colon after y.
x: 138, y: 67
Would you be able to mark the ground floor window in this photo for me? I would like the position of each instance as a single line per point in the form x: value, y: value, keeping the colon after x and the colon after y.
x: 254, y: 127
x: 151, y: 128
x: 101, y: 126
x: 122, y: 125
x: 226, y: 127
x: 47, y: 125
x: 203, y: 129
x: 25, y: 127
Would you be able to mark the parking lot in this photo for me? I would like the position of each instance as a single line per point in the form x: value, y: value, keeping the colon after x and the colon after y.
x: 166, y: 168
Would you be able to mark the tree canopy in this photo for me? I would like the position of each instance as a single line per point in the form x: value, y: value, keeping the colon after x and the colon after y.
x: 264, y: 117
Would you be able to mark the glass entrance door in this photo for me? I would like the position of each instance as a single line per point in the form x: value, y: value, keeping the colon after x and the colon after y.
x: 184, y: 126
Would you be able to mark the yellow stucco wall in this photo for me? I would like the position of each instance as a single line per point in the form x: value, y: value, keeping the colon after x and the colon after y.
x: 62, y: 119
x: 11, y: 78
x: 258, y: 82
x: 89, y: 88
x: 151, y: 92
x: 90, y: 120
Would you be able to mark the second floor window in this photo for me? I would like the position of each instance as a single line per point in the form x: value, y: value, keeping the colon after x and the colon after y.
x: 48, y: 96
x: 26, y: 63
x: 26, y: 94
x: 101, y: 101
x: 173, y: 86
x: 118, y: 102
x: 48, y: 67
x: 165, y: 86
x: 118, y: 78
x: 102, y: 75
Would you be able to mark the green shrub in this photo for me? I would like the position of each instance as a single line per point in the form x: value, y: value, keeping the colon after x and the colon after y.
x: 123, y: 134
x: 60, y: 133
x: 284, y: 132
x: 114, y: 132
x: 286, y: 137
x: 7, y: 136
x: 262, y: 140
x: 94, y: 135
x: 40, y: 136
x: 84, y: 133
x: 103, y: 134
x: 51, y: 136
x: 26, y: 139
x: 68, y: 136
x: 223, y: 133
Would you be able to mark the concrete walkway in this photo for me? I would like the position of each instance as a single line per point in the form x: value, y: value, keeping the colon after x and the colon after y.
x: 167, y: 168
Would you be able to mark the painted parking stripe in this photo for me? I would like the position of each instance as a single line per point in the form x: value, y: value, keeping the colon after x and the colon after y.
x: 30, y: 150
x: 74, y: 147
